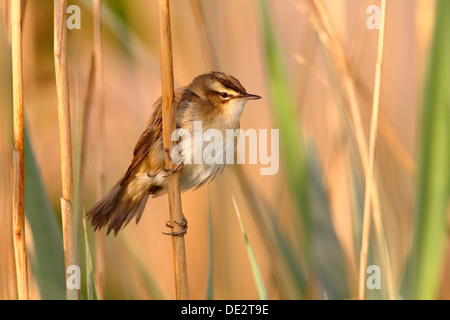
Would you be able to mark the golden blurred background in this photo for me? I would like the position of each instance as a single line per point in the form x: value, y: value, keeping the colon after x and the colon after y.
x: 229, y: 36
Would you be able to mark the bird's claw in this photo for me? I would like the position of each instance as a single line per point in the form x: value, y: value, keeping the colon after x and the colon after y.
x: 174, y: 170
x: 171, y: 224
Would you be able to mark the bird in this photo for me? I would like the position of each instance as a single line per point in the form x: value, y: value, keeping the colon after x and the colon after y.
x: 215, y: 100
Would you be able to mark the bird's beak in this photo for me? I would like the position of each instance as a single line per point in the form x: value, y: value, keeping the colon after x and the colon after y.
x: 249, y: 96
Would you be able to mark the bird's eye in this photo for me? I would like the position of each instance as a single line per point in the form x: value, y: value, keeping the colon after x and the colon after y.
x: 224, y: 95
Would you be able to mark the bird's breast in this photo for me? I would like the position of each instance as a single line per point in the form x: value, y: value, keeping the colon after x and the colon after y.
x: 205, y: 152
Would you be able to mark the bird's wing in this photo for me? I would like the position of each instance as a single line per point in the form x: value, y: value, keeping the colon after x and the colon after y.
x: 151, y: 137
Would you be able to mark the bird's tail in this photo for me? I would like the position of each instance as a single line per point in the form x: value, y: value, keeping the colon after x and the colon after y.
x: 117, y: 208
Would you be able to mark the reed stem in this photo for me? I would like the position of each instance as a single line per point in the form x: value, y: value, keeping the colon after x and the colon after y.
x: 368, y: 197
x: 173, y: 183
x: 99, y: 75
x: 20, y: 252
x: 327, y: 34
x: 62, y: 89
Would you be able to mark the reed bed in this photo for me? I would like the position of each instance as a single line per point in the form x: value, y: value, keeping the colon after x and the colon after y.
x: 363, y: 149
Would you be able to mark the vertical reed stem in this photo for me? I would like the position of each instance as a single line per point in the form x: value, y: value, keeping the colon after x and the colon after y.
x: 173, y: 183
x: 62, y: 89
x: 368, y: 197
x: 98, y: 52
x: 18, y: 153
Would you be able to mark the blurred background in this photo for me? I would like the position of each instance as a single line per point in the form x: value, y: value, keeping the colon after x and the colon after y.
x: 303, y: 223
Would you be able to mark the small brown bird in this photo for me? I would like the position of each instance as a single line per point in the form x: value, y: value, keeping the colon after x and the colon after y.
x: 216, y: 101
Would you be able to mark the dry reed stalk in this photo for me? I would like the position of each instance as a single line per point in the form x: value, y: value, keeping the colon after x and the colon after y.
x: 321, y: 21
x: 20, y: 252
x: 62, y: 89
x: 173, y: 183
x: 372, y: 143
x: 99, y: 82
